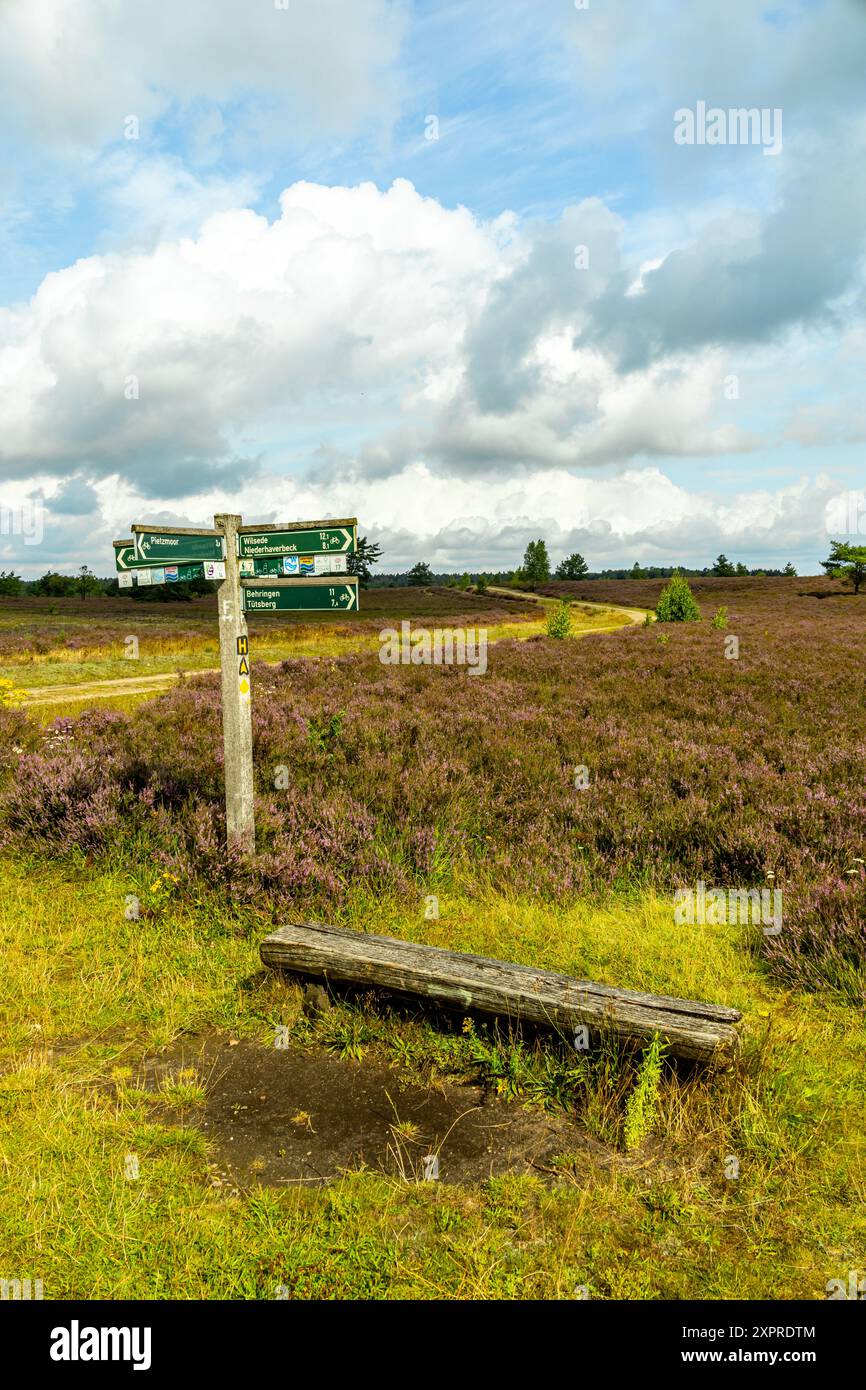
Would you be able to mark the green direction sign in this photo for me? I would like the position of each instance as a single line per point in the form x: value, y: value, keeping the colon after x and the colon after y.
x: 294, y: 595
x: 124, y: 555
x: 302, y: 539
x: 173, y: 547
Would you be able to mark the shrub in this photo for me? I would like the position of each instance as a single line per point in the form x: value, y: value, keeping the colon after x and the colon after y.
x: 9, y: 695
x: 559, y: 620
x: 641, y: 1108
x: 677, y: 603
x: 720, y: 619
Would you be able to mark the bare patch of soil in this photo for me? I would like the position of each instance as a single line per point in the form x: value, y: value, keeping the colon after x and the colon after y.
x: 283, y: 1117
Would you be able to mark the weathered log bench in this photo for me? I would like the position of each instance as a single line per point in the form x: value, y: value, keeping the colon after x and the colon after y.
x: 693, y: 1030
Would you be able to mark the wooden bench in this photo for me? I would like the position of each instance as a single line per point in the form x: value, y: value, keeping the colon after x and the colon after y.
x: 694, y: 1030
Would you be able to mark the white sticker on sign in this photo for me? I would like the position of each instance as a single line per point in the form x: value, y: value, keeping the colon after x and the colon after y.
x: 247, y: 566
x: 157, y: 575
x: 290, y: 564
x: 144, y: 578
x: 331, y: 564
x: 214, y: 569
x: 124, y: 580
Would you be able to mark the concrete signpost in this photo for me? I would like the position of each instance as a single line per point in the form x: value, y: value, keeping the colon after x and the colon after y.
x: 291, y: 561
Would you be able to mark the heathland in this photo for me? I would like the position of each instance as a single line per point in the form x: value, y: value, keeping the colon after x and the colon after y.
x: 546, y: 813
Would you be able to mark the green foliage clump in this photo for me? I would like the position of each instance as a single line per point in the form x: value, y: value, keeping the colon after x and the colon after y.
x: 11, y: 584
x: 573, y: 567
x: 420, y: 575
x: 641, y: 1108
x: 559, y: 620
x: 677, y: 603
x: 324, y: 734
x: 846, y: 562
x: 536, y: 563
x: 720, y: 618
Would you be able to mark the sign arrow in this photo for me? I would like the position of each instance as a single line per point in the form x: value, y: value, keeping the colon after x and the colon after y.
x: 176, y: 545
x: 124, y: 555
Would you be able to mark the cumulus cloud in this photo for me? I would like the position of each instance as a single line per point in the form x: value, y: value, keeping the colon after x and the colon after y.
x: 454, y: 524
x: 377, y: 345
x: 179, y: 366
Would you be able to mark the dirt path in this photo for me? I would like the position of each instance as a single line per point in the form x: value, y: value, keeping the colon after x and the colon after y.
x: 155, y: 685
x: 102, y: 690
x: 635, y: 615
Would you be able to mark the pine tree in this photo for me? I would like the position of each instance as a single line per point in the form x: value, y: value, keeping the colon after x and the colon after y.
x: 677, y: 603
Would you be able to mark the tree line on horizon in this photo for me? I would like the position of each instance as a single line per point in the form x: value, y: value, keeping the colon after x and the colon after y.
x: 536, y: 569
x: 845, y: 561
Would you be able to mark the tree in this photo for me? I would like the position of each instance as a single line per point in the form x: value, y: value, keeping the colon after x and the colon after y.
x: 559, y: 620
x: 677, y: 603
x: 464, y: 581
x: 846, y: 562
x: 366, y: 554
x: 723, y: 567
x: 741, y: 568
x: 53, y: 585
x: 790, y: 571
x: 87, y: 582
x: 420, y: 575
x: 536, y: 562
x: 481, y: 586
x: 574, y: 567
x: 11, y: 584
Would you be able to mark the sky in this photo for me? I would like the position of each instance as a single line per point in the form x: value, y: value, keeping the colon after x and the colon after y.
x: 473, y: 272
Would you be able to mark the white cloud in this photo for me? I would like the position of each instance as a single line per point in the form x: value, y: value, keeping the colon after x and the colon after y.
x: 72, y: 73
x: 458, y: 523
x: 346, y: 339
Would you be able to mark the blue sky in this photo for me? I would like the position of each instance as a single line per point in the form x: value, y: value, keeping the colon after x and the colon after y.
x: 284, y: 297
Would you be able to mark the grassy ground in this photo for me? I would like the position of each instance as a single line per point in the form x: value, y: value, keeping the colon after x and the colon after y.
x: 747, y: 1183
x: 87, y: 994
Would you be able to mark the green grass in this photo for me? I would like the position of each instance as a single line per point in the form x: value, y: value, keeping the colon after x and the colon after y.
x: 87, y: 993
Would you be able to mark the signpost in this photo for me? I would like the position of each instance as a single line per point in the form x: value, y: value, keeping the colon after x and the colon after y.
x: 285, y: 569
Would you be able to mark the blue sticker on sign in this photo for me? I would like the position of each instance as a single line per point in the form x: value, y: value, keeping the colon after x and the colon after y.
x: 307, y: 563
x: 290, y: 564
x: 171, y: 574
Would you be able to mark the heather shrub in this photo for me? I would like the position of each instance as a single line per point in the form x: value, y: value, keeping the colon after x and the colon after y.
x: 400, y: 778
x: 677, y: 603
x: 823, y: 943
